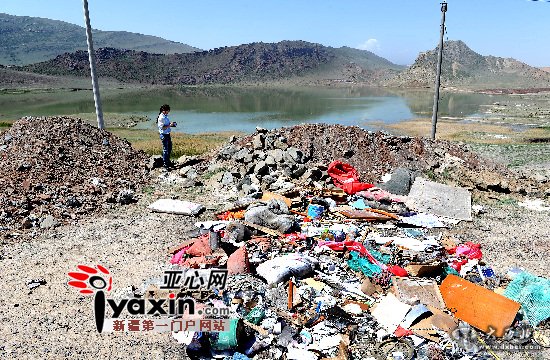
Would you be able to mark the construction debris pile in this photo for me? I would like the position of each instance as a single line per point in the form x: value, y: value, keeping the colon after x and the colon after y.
x: 323, y: 264
x: 56, y: 169
x: 275, y: 160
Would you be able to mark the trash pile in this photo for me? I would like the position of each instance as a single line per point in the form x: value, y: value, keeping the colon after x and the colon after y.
x: 57, y: 169
x: 332, y: 267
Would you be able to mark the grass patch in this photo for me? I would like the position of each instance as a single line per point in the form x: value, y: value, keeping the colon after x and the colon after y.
x: 473, y: 133
x: 148, y: 190
x: 5, y: 124
x: 507, y: 201
x: 182, y: 144
x: 210, y: 174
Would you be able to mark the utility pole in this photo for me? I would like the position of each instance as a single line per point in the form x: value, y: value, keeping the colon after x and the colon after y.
x: 438, y: 71
x: 91, y: 55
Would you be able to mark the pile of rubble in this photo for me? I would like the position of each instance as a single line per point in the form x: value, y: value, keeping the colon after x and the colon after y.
x: 275, y: 160
x: 57, y: 169
x: 323, y: 264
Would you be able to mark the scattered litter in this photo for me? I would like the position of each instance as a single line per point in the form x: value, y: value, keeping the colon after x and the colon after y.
x: 423, y: 220
x: 534, y: 204
x: 282, y: 268
x: 430, y: 327
x: 346, y: 177
x: 322, y: 273
x: 412, y: 291
x: 34, y: 283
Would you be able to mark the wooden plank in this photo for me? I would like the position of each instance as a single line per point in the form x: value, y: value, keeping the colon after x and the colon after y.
x: 271, y: 195
x: 364, y: 215
x: 263, y: 229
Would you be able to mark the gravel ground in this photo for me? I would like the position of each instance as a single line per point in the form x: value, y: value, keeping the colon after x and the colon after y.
x: 53, y: 321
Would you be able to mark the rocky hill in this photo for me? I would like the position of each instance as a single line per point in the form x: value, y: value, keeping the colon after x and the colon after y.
x: 249, y: 63
x: 27, y: 40
x: 464, y: 67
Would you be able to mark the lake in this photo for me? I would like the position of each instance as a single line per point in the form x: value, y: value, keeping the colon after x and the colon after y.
x: 212, y: 109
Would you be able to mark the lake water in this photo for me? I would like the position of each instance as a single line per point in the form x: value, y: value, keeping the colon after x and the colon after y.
x: 199, y: 110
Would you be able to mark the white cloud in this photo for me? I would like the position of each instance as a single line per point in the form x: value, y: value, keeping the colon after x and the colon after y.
x: 370, y: 45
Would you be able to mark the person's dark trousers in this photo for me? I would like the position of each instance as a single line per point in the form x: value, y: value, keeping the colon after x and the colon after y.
x: 166, y: 148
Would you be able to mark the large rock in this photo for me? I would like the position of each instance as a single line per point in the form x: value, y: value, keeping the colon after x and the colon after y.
x: 260, y: 168
x: 296, y: 154
x: 242, y: 155
x: 228, y: 151
x: 155, y: 162
x: 228, y: 179
x: 48, y: 222
x: 258, y: 141
x: 277, y: 154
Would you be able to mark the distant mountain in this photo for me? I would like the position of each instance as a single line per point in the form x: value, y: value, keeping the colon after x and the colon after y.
x: 249, y: 63
x: 464, y: 67
x: 26, y: 40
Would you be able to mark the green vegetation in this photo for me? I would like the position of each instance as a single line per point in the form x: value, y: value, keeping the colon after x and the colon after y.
x: 507, y: 201
x: 209, y: 174
x: 26, y: 40
x: 183, y: 144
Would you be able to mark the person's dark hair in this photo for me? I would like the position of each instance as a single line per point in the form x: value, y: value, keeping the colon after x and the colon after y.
x: 164, y: 107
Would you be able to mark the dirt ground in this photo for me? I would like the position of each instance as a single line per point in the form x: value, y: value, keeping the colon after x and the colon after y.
x: 54, y: 321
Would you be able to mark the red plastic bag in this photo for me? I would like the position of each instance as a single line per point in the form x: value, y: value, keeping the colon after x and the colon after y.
x: 469, y: 250
x: 346, y: 177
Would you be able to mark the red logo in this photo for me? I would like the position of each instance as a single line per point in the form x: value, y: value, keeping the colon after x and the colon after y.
x: 91, y: 279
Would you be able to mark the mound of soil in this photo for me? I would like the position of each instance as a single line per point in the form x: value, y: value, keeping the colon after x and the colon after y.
x: 59, y: 168
x: 374, y: 154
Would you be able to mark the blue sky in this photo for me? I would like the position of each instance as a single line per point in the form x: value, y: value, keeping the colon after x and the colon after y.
x: 396, y: 30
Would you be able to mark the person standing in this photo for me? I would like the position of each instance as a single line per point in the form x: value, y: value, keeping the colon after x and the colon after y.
x: 164, y: 125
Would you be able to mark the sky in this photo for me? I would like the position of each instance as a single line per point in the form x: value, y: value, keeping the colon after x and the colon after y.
x: 396, y: 30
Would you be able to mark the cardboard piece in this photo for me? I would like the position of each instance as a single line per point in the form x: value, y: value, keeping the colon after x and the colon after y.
x: 425, y: 291
x: 368, y: 288
x: 417, y: 312
x: 424, y: 270
x: 389, y: 312
x: 440, y: 199
x: 479, y: 307
x: 427, y: 327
